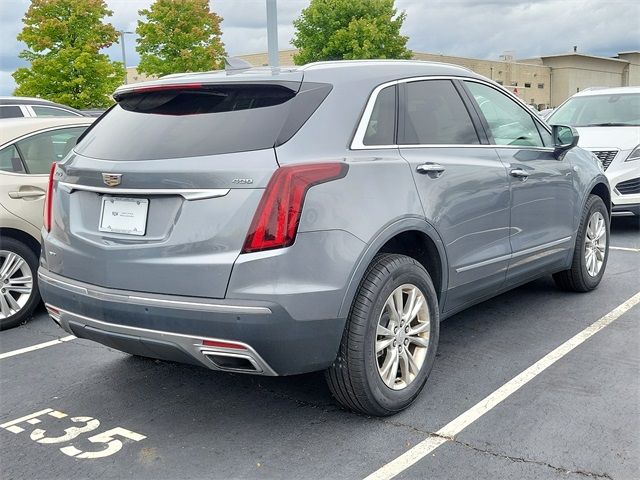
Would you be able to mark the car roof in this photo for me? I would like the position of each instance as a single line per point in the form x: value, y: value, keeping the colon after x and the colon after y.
x: 607, y: 91
x: 12, y: 128
x: 10, y: 100
x: 371, y: 72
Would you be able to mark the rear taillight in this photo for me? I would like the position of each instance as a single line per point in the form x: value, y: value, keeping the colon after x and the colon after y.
x: 275, y: 223
x: 48, y: 199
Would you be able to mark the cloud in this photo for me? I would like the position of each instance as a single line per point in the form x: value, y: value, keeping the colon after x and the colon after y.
x: 470, y: 28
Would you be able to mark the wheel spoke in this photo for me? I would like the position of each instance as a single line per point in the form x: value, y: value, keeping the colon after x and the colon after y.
x: 5, y: 311
x: 383, y: 332
x: 391, y: 308
x: 383, y: 344
x: 411, y: 301
x: 393, y: 372
x: 413, y: 366
x: 416, y: 308
x: 398, y: 302
x: 421, y: 328
x: 7, y: 265
x: 420, y: 341
x: 15, y: 306
x: 405, y: 369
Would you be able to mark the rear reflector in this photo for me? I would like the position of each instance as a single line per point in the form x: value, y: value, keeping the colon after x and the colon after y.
x: 218, y: 343
x: 276, y: 220
x: 48, y: 199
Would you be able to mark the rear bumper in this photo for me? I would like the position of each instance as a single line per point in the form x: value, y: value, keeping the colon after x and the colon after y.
x: 261, y: 337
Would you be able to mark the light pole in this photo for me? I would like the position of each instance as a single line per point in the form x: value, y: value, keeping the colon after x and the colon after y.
x: 272, y: 32
x: 124, y: 55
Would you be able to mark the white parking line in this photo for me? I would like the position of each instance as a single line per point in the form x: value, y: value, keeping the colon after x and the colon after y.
x: 625, y: 249
x: 36, y: 347
x: 453, y: 428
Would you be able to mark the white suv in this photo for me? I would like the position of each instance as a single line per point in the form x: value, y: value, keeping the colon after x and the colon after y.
x: 608, y: 120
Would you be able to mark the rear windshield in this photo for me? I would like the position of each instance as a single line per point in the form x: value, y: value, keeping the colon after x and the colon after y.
x: 187, y: 123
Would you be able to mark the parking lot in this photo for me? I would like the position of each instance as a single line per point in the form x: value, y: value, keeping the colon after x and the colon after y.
x: 578, y: 418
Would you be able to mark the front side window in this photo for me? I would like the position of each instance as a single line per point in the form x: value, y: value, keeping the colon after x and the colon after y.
x: 434, y: 114
x: 42, y: 111
x: 382, y: 123
x: 42, y: 149
x: 508, y: 122
x: 10, y: 160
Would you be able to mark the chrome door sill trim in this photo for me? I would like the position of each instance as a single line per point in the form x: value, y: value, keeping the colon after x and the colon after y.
x: 513, y: 255
x: 187, y: 193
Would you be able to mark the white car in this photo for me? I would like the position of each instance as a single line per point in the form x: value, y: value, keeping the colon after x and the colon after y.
x: 608, y: 121
x: 28, y: 147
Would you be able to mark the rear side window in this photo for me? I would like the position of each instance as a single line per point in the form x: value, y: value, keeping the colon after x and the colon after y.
x: 10, y: 160
x: 194, y: 122
x: 10, y: 111
x: 40, y: 150
x: 434, y: 114
x: 42, y: 111
x: 382, y: 123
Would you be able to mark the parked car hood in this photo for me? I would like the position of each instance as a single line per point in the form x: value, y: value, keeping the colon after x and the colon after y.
x: 622, y: 138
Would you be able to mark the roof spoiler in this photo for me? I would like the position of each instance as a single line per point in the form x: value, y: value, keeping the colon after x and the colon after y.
x: 235, y: 63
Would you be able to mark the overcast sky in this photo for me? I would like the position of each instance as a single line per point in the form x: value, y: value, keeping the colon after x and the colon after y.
x: 470, y: 28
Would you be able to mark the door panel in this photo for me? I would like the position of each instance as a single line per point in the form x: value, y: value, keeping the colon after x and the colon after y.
x: 468, y: 203
x: 542, y: 195
x: 542, y: 206
x: 23, y: 195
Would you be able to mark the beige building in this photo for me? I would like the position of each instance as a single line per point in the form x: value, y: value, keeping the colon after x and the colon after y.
x: 546, y: 81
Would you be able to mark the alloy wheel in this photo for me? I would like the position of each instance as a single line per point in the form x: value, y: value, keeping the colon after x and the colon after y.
x: 16, y: 283
x: 595, y: 244
x: 402, y: 336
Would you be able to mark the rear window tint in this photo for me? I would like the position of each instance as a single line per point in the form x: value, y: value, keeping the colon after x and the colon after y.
x: 188, y: 123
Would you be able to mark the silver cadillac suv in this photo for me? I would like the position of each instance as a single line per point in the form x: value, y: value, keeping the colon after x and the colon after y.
x: 276, y: 222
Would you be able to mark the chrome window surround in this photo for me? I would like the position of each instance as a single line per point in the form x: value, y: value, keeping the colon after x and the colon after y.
x: 358, y: 139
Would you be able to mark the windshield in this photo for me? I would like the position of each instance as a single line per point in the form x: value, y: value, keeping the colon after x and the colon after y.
x: 599, y: 111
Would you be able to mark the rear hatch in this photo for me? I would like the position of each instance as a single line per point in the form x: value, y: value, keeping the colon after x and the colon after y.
x: 158, y: 196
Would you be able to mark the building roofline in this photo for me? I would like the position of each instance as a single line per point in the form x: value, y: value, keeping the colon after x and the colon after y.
x: 574, y: 54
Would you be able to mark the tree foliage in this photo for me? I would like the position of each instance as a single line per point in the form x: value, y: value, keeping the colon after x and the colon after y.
x: 349, y: 29
x: 64, y: 39
x: 179, y: 36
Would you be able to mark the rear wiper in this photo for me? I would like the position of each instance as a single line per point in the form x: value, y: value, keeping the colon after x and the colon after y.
x: 610, y: 124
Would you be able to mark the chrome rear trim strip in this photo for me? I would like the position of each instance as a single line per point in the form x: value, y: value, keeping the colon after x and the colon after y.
x: 187, y: 193
x: 152, y: 301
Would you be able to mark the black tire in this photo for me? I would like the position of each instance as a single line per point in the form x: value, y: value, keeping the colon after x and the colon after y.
x: 353, y: 378
x: 577, y: 277
x: 22, y: 315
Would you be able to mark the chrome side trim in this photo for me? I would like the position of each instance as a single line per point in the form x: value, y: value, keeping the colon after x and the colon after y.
x: 358, y: 138
x: 187, y: 193
x: 152, y: 301
x: 513, y: 255
x: 192, y: 344
x: 541, y: 247
x: 483, y: 263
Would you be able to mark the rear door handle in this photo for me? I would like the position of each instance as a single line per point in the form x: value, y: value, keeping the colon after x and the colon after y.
x: 430, y: 168
x: 27, y: 192
x: 519, y: 173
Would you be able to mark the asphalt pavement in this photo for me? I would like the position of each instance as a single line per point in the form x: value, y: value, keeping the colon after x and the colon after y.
x: 79, y: 410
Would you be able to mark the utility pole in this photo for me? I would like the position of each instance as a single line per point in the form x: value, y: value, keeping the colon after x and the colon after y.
x: 124, y: 55
x: 272, y: 32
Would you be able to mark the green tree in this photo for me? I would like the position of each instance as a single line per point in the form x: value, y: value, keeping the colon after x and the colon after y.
x: 348, y: 30
x: 179, y: 36
x: 64, y: 39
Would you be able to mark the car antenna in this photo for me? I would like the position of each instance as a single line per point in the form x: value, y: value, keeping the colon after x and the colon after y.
x: 234, y: 63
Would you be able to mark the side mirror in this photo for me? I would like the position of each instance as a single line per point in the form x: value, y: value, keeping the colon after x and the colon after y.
x: 564, y: 138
